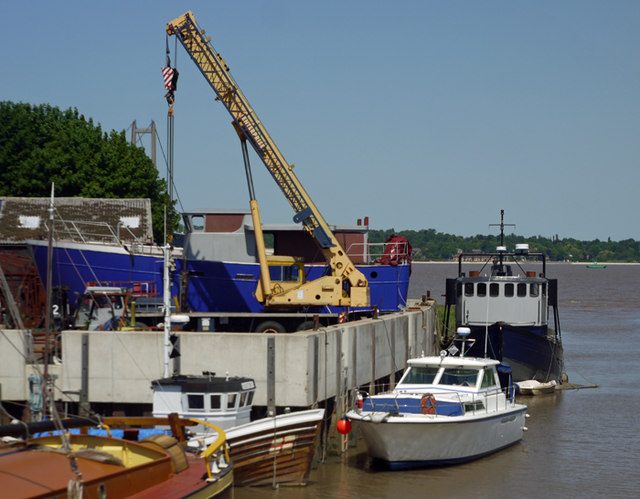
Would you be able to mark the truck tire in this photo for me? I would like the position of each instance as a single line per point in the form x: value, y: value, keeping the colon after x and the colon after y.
x: 305, y: 326
x: 270, y: 327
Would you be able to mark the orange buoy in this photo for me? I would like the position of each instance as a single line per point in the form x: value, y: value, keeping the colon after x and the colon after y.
x: 344, y: 426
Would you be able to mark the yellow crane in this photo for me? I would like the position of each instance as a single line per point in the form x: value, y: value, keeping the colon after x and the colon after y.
x: 345, y: 285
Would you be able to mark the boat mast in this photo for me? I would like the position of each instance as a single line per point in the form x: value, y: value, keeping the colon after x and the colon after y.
x: 502, y: 250
x: 166, y: 295
x: 171, y: 79
x: 47, y: 317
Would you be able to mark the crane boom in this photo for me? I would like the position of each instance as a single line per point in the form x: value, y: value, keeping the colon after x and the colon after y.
x: 216, y: 71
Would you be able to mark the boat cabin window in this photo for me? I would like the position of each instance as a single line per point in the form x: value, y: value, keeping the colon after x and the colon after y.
x: 508, y: 289
x: 231, y: 400
x: 459, y: 376
x: 476, y: 405
x: 214, y: 400
x: 109, y: 301
x: 250, y: 398
x: 417, y: 375
x: 196, y: 401
x: 488, y: 380
x: 197, y: 223
x: 534, y: 289
x: 243, y: 399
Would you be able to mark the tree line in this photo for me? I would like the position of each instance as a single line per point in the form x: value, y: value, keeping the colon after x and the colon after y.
x: 431, y: 245
x: 41, y: 144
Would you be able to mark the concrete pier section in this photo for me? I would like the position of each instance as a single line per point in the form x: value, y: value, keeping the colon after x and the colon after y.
x: 290, y: 370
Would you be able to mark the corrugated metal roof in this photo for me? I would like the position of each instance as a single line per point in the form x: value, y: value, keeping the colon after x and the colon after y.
x: 76, y: 219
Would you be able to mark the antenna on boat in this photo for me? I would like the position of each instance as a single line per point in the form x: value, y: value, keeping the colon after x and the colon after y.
x: 502, y: 249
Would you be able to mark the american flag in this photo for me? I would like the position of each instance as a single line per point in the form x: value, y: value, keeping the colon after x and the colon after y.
x: 167, y: 74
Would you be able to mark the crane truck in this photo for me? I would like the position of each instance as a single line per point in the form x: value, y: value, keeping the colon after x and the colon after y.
x: 344, y: 285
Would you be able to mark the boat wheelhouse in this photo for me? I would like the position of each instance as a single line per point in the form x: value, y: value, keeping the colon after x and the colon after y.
x: 220, y: 400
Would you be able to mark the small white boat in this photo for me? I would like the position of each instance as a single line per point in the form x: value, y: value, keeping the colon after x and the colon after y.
x: 533, y: 387
x: 444, y: 410
x: 268, y: 451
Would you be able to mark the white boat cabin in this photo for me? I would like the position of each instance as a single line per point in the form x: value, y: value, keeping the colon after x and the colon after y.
x: 446, y: 374
x: 228, y: 235
x: 223, y: 401
x: 502, y: 297
x: 448, y: 386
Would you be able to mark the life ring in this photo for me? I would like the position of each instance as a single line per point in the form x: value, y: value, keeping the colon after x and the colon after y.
x: 428, y: 404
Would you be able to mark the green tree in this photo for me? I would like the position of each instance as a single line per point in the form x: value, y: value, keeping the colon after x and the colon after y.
x: 42, y: 144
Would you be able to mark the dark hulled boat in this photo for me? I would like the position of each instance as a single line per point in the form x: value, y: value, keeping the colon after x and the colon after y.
x: 507, y: 309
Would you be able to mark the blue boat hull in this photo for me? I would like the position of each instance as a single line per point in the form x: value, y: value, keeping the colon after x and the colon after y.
x: 210, y: 286
x: 530, y: 351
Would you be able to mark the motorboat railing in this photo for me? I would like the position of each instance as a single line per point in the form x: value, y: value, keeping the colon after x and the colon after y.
x: 406, y: 402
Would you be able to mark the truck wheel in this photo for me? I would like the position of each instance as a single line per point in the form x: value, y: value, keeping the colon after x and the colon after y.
x: 305, y: 326
x: 270, y: 327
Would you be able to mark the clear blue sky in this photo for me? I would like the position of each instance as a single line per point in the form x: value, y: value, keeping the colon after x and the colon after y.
x: 418, y: 114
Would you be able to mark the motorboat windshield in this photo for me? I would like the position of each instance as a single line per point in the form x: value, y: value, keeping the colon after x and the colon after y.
x: 435, y: 375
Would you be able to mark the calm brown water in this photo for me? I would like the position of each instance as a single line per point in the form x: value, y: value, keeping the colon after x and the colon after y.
x: 580, y: 443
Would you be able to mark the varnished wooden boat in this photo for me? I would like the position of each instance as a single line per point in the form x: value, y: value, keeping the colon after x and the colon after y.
x: 84, y: 465
x: 274, y: 450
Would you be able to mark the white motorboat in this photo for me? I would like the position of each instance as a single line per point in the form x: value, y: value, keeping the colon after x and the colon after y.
x: 444, y: 410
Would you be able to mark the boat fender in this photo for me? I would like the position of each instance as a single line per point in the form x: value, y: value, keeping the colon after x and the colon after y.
x: 428, y: 404
x: 344, y: 426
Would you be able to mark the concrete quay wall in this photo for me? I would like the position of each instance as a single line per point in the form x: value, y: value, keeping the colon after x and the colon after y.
x: 296, y: 370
